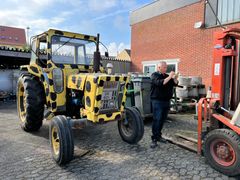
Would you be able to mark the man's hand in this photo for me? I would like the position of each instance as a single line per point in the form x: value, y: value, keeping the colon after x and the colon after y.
x: 172, y: 74
x: 176, y: 76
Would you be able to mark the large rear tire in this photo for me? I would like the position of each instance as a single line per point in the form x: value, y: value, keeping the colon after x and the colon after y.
x: 222, y: 151
x: 30, y: 102
x: 61, y: 140
x: 131, y: 128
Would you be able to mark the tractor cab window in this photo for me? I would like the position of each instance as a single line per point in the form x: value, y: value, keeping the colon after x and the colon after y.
x: 42, y: 53
x: 67, y: 50
x: 34, y: 48
x: 39, y: 51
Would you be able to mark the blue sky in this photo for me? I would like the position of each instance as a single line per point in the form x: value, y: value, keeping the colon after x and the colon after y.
x: 110, y: 18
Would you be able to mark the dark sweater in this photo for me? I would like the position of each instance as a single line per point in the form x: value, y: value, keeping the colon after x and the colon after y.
x: 158, y: 90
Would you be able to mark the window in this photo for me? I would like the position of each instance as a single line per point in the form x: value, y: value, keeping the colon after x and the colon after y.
x: 43, y: 47
x: 149, y: 69
x: 33, y: 55
x: 227, y: 11
x: 68, y: 50
x: 151, y: 66
x: 171, y: 67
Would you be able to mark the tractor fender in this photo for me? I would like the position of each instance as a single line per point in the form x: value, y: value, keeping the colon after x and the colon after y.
x: 37, y: 71
x: 32, y: 69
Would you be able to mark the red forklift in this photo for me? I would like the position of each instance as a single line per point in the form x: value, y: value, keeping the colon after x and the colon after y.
x: 219, y: 138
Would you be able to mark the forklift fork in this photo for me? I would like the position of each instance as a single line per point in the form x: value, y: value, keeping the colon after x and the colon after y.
x: 202, y: 108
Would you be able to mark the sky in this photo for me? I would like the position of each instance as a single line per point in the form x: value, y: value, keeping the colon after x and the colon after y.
x: 110, y: 18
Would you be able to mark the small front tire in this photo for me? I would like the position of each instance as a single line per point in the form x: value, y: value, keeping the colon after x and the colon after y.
x: 61, y: 140
x: 131, y: 128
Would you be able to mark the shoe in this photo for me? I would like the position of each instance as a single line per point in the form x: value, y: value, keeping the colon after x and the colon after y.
x: 154, y: 144
x: 162, y: 140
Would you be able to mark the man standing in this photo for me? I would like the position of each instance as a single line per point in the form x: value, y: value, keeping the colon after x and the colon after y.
x: 161, y: 93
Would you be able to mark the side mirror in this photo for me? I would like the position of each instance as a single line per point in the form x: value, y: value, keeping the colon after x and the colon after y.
x: 106, y: 54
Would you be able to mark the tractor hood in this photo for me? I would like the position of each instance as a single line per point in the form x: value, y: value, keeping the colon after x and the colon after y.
x: 78, y: 81
x: 104, y: 95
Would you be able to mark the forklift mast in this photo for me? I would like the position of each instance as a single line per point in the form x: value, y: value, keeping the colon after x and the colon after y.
x: 226, y: 68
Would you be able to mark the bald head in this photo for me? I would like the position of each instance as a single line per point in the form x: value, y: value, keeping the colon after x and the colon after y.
x: 162, y: 67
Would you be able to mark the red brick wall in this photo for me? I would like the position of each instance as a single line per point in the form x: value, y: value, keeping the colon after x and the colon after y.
x: 12, y: 36
x: 172, y: 35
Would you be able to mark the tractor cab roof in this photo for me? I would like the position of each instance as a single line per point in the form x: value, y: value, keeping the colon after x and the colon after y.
x: 52, y: 32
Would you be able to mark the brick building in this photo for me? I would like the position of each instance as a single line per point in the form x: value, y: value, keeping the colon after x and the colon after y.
x: 11, y: 36
x: 179, y: 32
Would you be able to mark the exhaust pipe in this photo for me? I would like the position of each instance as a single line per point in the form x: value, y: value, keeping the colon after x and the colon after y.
x: 97, y: 57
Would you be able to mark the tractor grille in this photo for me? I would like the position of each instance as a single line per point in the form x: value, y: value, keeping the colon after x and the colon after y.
x: 109, y: 101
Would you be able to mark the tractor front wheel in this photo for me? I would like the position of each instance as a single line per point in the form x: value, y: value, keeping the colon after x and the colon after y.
x: 131, y: 128
x: 61, y: 140
x: 222, y: 151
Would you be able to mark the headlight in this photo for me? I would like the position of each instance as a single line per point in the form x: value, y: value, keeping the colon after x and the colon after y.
x: 58, y: 80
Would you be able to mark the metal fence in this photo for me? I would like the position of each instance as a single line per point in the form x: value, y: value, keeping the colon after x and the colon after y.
x: 119, y: 66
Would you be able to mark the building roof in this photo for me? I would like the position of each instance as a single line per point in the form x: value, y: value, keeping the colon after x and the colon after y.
x: 11, y: 36
x: 124, y: 55
x: 157, y: 8
x: 128, y: 52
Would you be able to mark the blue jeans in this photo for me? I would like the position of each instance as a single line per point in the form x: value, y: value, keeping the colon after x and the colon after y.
x: 160, y: 112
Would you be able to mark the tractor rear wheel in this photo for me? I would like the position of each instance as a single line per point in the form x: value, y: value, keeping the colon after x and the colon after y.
x: 30, y: 102
x: 222, y: 151
x: 131, y: 128
x: 61, y: 140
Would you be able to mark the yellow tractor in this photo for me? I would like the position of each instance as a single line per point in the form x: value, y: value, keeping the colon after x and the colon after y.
x: 65, y: 83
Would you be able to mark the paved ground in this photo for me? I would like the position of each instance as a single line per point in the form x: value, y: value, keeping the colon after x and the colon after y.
x: 27, y: 156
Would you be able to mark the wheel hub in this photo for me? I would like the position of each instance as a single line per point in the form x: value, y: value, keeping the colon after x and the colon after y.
x: 22, y: 102
x: 127, y: 126
x: 55, y: 141
x: 222, y: 152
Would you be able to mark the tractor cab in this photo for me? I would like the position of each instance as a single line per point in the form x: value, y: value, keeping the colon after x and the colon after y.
x: 63, y: 49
